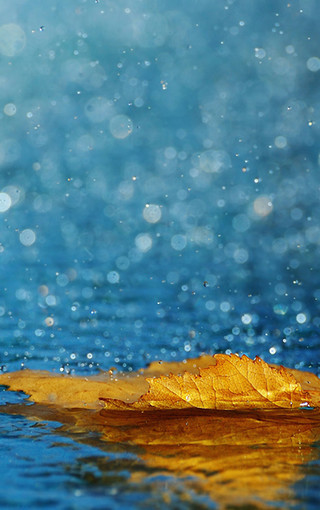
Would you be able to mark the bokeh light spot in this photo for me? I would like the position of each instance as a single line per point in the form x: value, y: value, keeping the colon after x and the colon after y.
x: 12, y: 39
x: 178, y: 242
x: 280, y: 142
x: 121, y: 126
x: 301, y: 318
x: 113, y: 277
x: 313, y: 64
x: 143, y: 242
x: 5, y: 202
x: 10, y: 109
x: 214, y: 161
x: 27, y: 237
x: 152, y: 213
x: 262, y: 206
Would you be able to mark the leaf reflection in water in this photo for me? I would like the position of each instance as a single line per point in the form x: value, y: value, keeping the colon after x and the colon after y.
x: 234, y: 457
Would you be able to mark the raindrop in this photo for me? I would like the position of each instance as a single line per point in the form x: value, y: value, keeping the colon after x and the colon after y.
x: 301, y: 318
x: 152, y: 213
x: 121, y: 126
x: 143, y: 242
x: 5, y: 202
x: 113, y: 277
x: 10, y: 109
x: 313, y: 64
x: 27, y: 237
x: 178, y: 242
x: 12, y: 39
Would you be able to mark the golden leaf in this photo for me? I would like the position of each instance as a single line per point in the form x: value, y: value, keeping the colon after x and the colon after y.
x: 211, y: 382
x: 230, y: 383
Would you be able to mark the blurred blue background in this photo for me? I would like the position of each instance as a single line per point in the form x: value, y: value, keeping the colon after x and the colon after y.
x: 159, y: 177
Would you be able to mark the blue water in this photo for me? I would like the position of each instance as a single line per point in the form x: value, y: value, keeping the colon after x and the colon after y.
x: 159, y: 198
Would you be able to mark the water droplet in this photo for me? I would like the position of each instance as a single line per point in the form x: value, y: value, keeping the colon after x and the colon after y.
x: 12, y: 39
x: 10, y: 109
x: 5, y: 202
x: 121, y: 126
x: 27, y: 237
x: 113, y: 277
x: 152, y: 213
x: 49, y: 321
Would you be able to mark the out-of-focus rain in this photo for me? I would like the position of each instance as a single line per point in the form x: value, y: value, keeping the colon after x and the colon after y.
x: 147, y: 147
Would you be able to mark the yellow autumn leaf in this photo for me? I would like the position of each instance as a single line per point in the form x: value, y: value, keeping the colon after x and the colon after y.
x: 230, y: 383
x: 211, y: 382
